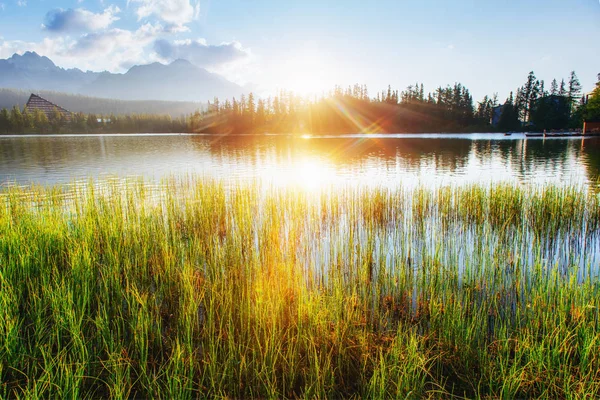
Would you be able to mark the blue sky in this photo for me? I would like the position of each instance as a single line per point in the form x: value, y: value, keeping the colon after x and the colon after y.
x: 308, y: 46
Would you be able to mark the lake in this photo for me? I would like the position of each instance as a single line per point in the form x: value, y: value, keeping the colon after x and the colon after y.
x: 388, y: 160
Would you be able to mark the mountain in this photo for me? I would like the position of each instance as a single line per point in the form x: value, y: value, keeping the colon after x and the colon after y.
x: 31, y: 71
x: 178, y: 81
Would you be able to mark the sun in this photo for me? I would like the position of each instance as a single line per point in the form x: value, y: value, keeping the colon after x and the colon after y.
x: 306, y: 73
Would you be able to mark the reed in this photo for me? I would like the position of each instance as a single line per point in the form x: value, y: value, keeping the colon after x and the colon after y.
x: 192, y: 288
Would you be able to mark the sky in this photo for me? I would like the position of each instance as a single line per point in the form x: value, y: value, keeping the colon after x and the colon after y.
x: 311, y: 45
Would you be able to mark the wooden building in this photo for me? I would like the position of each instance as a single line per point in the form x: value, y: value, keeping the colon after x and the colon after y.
x: 591, y: 127
x: 36, y: 102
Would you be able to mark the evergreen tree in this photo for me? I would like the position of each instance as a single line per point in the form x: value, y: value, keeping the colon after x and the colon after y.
x: 562, y: 91
x: 592, y: 108
x: 5, y: 121
x: 243, y: 106
x: 79, y: 122
x: 528, y: 95
x: 554, y: 88
x: 509, y: 119
x: 40, y: 121
x: 235, y: 107
x: 574, y: 90
x: 92, y: 122
x: 251, y: 107
x: 56, y: 120
x: 16, y: 120
x: 217, y: 106
x: 261, y: 116
x: 27, y: 119
x: 542, y: 89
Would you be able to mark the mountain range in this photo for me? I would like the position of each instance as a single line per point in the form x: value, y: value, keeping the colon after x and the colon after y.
x: 177, y: 81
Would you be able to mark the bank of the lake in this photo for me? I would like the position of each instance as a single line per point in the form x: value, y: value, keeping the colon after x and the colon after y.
x: 196, y: 288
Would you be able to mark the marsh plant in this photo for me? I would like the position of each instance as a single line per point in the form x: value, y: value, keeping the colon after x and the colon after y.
x: 193, y: 289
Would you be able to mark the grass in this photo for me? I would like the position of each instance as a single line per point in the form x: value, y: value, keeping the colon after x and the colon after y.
x: 193, y: 289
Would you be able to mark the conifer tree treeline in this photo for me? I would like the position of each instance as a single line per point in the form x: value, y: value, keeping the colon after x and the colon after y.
x: 343, y: 110
x: 535, y: 107
x: 351, y: 109
x: 17, y: 122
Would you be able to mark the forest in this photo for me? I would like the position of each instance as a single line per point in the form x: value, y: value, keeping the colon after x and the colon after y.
x: 532, y: 106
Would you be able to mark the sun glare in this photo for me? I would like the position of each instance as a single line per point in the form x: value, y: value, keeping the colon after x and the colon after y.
x: 305, y: 173
x: 307, y: 73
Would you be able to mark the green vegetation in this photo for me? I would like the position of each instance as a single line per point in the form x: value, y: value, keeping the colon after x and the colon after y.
x: 96, y: 105
x: 446, y: 109
x: 349, y: 110
x: 21, y: 122
x: 592, y: 110
x: 194, y: 288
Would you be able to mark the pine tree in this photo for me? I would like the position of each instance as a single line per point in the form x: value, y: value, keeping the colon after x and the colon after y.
x: 251, y: 107
x: 4, y: 121
x: 365, y: 93
x: 16, y: 120
x: 574, y: 90
x: 574, y: 86
x: 482, y: 107
x: 235, y: 108
x: 91, y: 121
x: 509, y: 119
x: 27, y: 119
x: 243, y: 105
x: 276, y: 107
x: 260, y: 113
x: 57, y: 120
x: 216, y: 106
x: 553, y: 88
x: 528, y: 95
x: 562, y: 91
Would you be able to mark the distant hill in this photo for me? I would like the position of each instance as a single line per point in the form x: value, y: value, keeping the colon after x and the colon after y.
x: 178, y: 81
x: 31, y: 71
x: 85, y: 104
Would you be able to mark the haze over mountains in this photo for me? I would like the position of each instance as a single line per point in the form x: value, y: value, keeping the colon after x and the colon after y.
x: 177, y: 81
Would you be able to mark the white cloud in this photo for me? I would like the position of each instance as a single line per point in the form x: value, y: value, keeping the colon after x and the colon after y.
x: 21, y: 3
x: 114, y: 49
x: 80, y: 19
x: 201, y: 53
x: 176, y: 12
x: 2, y: 6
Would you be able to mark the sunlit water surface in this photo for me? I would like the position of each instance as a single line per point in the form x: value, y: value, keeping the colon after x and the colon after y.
x: 329, y: 161
x: 309, y: 162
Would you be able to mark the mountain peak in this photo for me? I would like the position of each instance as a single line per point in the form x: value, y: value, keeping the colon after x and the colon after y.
x: 179, y: 80
x: 32, y: 61
x: 181, y: 62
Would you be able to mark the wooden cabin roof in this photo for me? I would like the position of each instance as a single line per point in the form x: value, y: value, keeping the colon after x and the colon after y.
x: 36, y: 102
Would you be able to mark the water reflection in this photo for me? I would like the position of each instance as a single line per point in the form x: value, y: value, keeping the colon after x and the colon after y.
x: 309, y: 162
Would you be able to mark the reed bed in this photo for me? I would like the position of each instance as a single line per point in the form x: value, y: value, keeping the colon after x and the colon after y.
x: 196, y: 289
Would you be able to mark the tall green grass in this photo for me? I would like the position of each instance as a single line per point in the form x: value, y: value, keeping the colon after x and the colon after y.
x: 192, y: 289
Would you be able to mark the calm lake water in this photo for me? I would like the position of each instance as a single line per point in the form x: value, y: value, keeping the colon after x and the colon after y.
x: 387, y: 160
x: 311, y: 162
